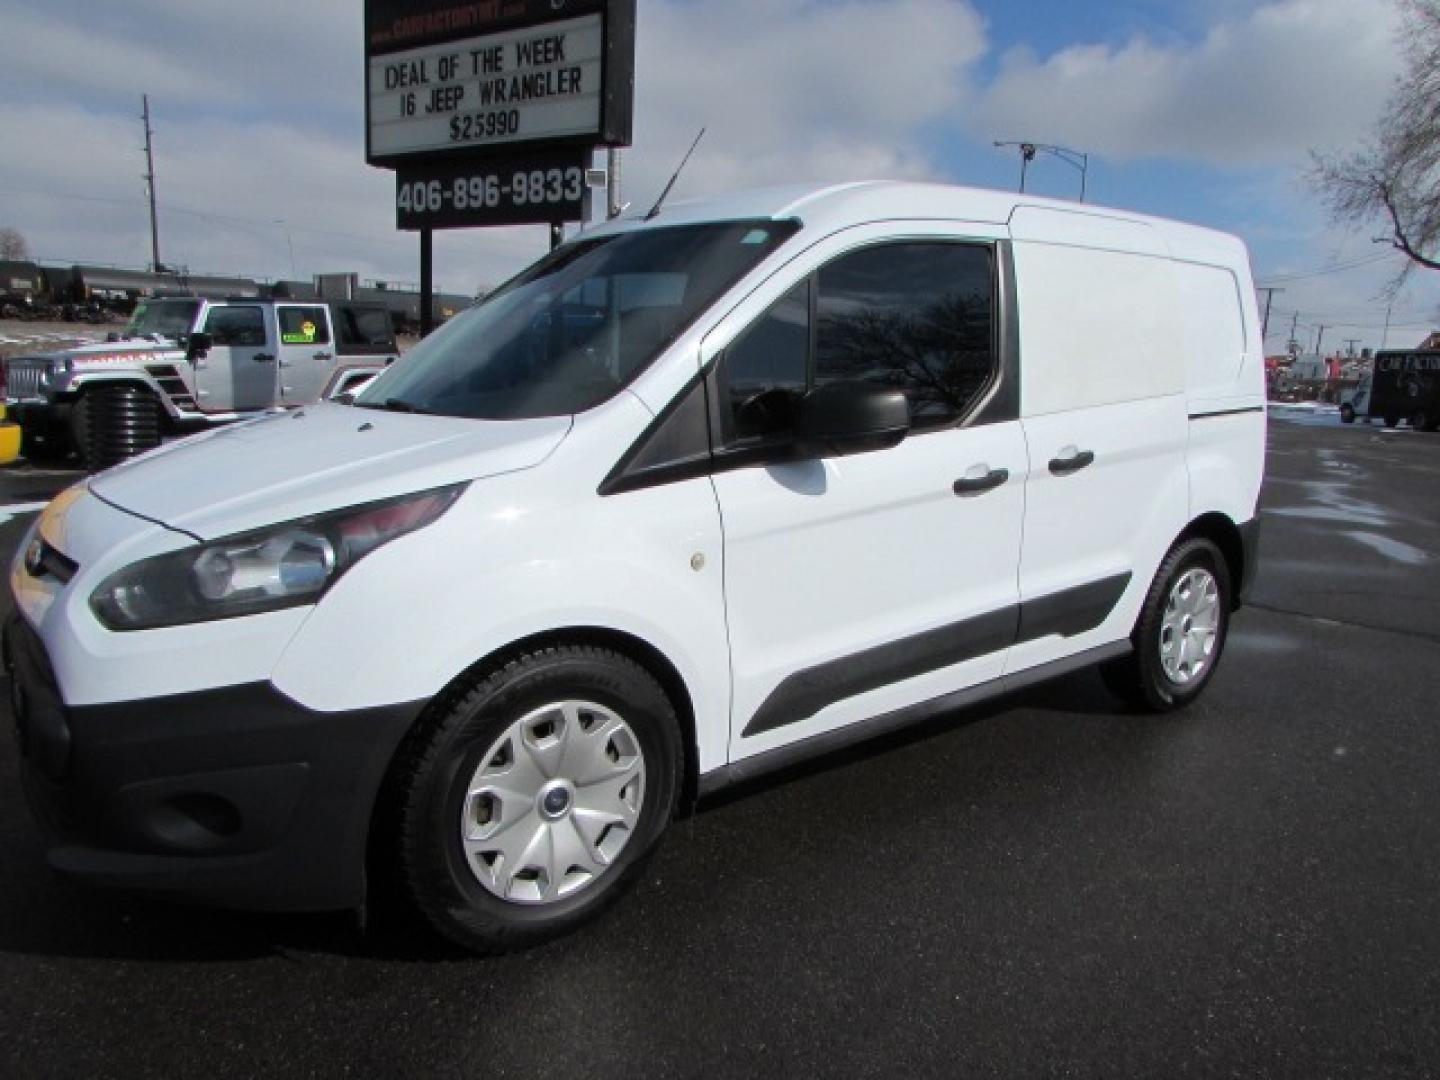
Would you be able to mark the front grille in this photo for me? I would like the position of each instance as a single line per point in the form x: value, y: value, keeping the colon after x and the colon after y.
x: 22, y: 379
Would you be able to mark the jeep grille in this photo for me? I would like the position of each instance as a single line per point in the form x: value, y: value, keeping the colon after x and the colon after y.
x: 22, y: 379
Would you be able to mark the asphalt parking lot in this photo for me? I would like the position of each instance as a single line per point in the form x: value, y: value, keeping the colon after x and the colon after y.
x: 1044, y: 887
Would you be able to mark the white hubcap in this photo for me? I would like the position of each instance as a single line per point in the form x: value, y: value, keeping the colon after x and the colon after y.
x: 553, y: 802
x: 1190, y: 627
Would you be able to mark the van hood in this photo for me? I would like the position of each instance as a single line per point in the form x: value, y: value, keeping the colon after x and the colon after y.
x: 320, y: 458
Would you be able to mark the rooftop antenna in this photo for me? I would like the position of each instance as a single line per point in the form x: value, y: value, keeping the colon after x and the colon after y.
x: 654, y: 210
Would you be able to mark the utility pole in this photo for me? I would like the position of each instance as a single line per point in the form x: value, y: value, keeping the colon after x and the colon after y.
x: 1293, y: 346
x: 1350, y: 344
x: 1269, y: 291
x: 155, y: 263
x: 1320, y: 337
x: 612, y: 183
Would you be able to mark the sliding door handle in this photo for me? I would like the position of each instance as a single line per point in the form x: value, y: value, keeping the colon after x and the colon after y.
x: 1074, y: 462
x: 968, y: 486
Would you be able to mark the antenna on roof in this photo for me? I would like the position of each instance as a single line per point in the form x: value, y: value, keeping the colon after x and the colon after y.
x: 660, y: 201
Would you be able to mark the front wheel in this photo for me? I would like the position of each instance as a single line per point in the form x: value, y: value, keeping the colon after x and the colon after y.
x: 528, y: 800
x: 1180, y: 633
x: 119, y: 421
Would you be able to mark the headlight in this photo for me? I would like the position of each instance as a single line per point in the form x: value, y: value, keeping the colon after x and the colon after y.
x: 278, y: 567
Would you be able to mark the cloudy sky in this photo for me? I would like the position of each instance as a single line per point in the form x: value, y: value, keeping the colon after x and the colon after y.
x: 1204, y: 110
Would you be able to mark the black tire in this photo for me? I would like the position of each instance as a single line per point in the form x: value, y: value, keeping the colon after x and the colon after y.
x: 1140, y: 679
x: 1423, y: 421
x: 80, y: 421
x: 122, y: 420
x: 1392, y: 421
x: 427, y: 790
x: 1347, y: 414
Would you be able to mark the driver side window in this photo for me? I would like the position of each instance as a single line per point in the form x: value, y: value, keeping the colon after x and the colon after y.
x: 912, y: 315
x: 236, y: 326
x: 766, y: 369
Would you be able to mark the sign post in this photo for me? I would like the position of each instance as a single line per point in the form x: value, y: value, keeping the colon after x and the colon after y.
x: 489, y: 111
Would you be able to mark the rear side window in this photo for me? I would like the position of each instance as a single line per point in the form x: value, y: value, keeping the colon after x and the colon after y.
x: 918, y: 316
x: 367, y: 327
x: 236, y: 326
x: 303, y: 326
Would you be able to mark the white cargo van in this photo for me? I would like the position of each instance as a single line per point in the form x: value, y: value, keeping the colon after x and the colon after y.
x: 691, y: 498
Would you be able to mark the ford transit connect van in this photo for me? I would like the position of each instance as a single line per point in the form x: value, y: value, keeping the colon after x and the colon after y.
x: 691, y: 498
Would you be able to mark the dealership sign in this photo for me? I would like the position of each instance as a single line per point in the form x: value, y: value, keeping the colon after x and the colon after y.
x: 486, y: 79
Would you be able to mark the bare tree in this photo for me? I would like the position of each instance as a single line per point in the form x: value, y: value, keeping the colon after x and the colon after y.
x: 12, y: 244
x: 1397, y: 178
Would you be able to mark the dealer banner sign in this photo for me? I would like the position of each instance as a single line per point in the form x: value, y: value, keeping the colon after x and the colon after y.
x: 490, y: 78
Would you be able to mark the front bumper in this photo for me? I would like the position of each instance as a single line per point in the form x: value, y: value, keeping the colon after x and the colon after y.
x: 40, y: 417
x: 237, y: 797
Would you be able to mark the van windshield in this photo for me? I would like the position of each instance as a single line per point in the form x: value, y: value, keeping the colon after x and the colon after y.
x: 577, y: 326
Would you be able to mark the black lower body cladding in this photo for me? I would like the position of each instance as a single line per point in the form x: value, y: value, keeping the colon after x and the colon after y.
x: 237, y: 797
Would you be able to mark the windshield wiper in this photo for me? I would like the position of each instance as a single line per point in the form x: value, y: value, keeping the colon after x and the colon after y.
x: 394, y: 404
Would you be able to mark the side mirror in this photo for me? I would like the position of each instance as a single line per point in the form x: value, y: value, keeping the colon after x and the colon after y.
x: 851, y: 418
x: 198, y: 345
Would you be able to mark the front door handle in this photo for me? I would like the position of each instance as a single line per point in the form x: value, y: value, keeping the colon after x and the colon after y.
x: 970, y: 486
x: 264, y: 358
x: 321, y: 356
x: 1074, y: 462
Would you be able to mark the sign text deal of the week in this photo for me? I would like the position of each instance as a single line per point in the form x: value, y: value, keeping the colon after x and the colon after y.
x: 517, y: 86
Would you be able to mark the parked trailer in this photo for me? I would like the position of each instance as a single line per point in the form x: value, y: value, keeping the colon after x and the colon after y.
x: 80, y: 292
x: 22, y: 289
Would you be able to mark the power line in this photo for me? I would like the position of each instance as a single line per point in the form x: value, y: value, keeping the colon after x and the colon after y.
x: 1334, y: 268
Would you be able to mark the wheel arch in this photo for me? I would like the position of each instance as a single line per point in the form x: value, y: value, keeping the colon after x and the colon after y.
x: 1221, y: 531
x: 634, y: 648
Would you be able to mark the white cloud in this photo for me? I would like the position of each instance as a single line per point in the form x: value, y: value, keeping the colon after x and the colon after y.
x: 797, y: 91
x: 259, y: 119
x: 1259, y: 89
x: 38, y: 49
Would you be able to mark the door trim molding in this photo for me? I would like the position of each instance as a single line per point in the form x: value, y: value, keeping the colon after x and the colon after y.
x: 802, y: 694
x: 781, y: 757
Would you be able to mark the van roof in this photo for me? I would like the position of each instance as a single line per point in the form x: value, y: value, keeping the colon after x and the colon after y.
x: 835, y: 206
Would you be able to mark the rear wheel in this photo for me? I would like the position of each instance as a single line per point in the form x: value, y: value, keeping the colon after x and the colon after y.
x: 121, y: 421
x: 1180, y: 633
x: 532, y: 797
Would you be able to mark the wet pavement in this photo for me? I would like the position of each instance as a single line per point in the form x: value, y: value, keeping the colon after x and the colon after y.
x: 1045, y: 886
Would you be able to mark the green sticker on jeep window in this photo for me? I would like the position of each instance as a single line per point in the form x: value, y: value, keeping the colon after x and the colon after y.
x: 304, y: 336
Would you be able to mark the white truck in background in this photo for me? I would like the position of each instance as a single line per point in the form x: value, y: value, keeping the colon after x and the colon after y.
x: 183, y: 364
